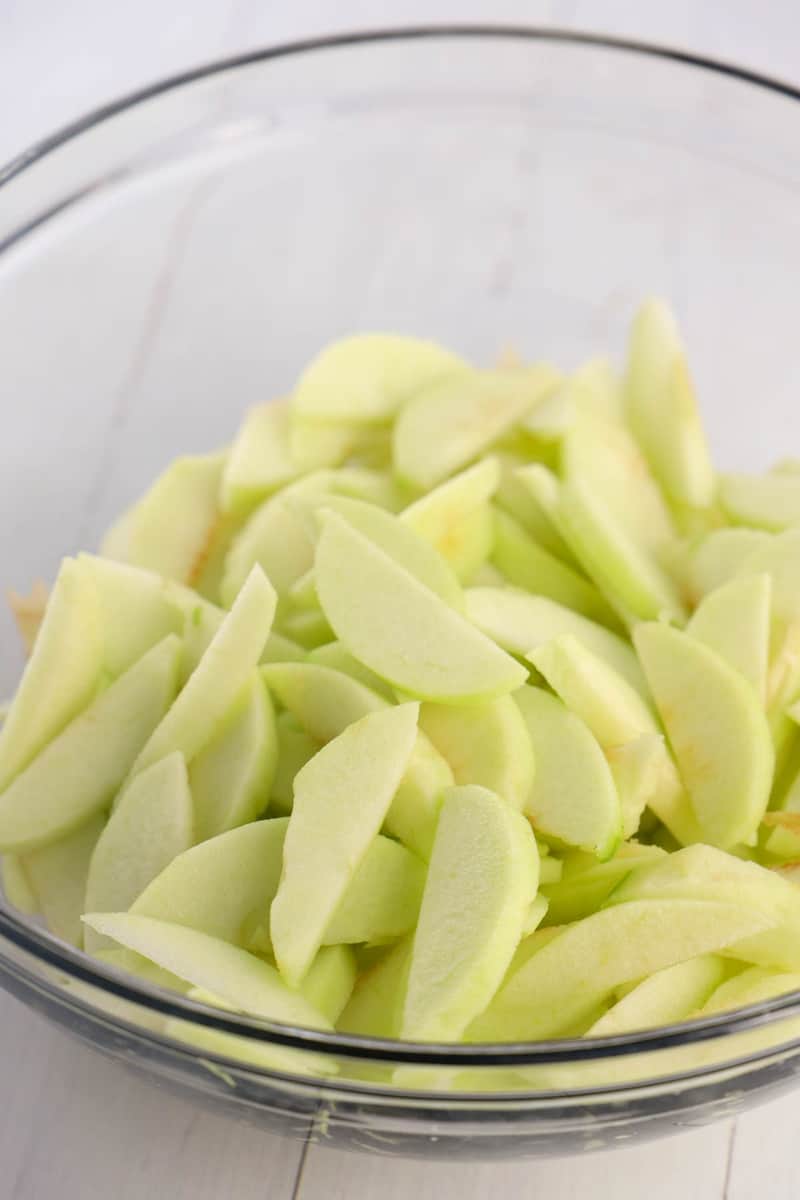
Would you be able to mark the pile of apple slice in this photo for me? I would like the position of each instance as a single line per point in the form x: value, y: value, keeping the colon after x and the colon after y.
x: 446, y: 704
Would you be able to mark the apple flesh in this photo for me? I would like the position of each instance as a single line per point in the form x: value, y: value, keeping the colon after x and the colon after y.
x: 57, y: 876
x: 665, y: 997
x: 259, y: 462
x: 456, y: 518
x: 734, y: 621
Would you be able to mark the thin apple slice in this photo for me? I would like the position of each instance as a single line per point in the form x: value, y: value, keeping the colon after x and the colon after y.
x: 330, y: 979
x: 455, y: 518
x: 81, y: 769
x: 671, y: 994
x: 638, y: 768
x: 232, y: 775
x: 447, y: 426
x: 317, y: 444
x: 375, y: 1008
x: 151, y: 825
x: 367, y: 378
x: 719, y: 557
x: 753, y: 986
x: 717, y: 728
x: 259, y: 461
x: 170, y: 529
x: 528, y: 565
x: 481, y: 881
x: 402, y: 630
x: 518, y: 499
x: 382, y: 901
x: 62, y: 674
x: 565, y: 980
x: 573, y: 797
x: 282, y: 649
x: 770, y: 501
x: 136, y: 964
x: 335, y: 656
x: 295, y: 748
x: 244, y: 981
x: 325, y: 701
x: 585, y: 883
x: 486, y: 744
x: 220, y: 676
x: 341, y: 798
x: 661, y: 407
x: 520, y: 623
x: 734, y: 621
x: 57, y: 877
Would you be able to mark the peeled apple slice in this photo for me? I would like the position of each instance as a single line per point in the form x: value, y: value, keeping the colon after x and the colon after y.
x: 295, y: 748
x: 717, y: 729
x: 382, y: 901
x: 734, y: 621
x: 447, y: 426
x: 57, y: 876
x: 399, y: 628
x: 586, y: 883
x: 341, y: 798
x: 259, y: 461
x: 481, y: 881
x: 719, y: 557
x: 770, y: 502
x: 375, y: 1008
x: 669, y: 995
x: 247, y: 983
x: 329, y: 982
x: 335, y: 656
x: 573, y: 797
x: 152, y: 824
x: 365, y: 379
x: 751, y: 987
x: 456, y: 518
x: 78, y: 772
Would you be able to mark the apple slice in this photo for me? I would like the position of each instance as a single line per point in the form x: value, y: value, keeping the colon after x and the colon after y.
x: 81, y: 769
x: 784, y: 838
x: 520, y: 623
x: 295, y: 748
x: 247, y: 983
x: 335, y: 656
x: 17, y: 887
x: 170, y: 529
x: 734, y: 621
x: 456, y: 519
x: 152, y: 823
x: 717, y: 729
x: 375, y: 1008
x: 640, y: 768
x: 566, y: 979
x: 573, y: 797
x: 259, y: 462
x: 232, y: 776
x: 399, y: 628
x: 317, y: 444
x: 136, y: 964
x: 220, y: 676
x: 753, y: 986
x: 447, y: 426
x: 329, y: 981
x: 529, y: 566
x: 57, y: 877
x: 481, y: 881
x: 719, y: 557
x: 62, y: 674
x: 382, y: 901
x: 770, y: 501
x: 661, y: 407
x: 367, y: 378
x: 585, y: 883
x: 341, y: 798
x: 670, y: 995
x: 486, y: 744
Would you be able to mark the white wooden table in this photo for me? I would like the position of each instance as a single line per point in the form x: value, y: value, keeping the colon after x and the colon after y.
x: 74, y: 1126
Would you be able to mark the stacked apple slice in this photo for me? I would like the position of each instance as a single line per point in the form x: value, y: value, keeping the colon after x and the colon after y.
x: 447, y: 704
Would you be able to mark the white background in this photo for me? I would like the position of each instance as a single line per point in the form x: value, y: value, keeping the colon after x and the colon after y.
x: 74, y: 1126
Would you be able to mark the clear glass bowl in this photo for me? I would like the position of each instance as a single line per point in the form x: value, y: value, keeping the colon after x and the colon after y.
x: 179, y: 255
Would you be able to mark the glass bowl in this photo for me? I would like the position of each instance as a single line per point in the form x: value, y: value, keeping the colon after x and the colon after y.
x: 179, y: 255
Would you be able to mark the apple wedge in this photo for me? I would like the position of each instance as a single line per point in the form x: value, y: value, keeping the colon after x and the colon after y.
x: 329, y: 982
x: 57, y: 877
x: 375, y: 1008
x: 586, y: 884
x: 565, y: 980
x: 151, y: 825
x: 259, y: 461
x: 719, y: 557
x: 400, y: 629
x: 717, y: 729
x: 753, y: 986
x: 17, y: 887
x: 341, y: 798
x: 669, y: 995
x: 456, y: 519
x: 247, y: 983
x: 220, y: 676
x: 481, y: 881
x: 335, y: 656
x: 573, y: 797
x: 770, y: 501
x: 80, y: 770
x: 295, y: 748
x: 382, y: 900
x: 734, y: 621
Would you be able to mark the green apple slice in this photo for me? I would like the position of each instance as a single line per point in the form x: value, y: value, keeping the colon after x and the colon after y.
x: 447, y: 426
x: 317, y: 444
x: 57, y: 876
x: 232, y: 776
x: 486, y: 744
x: 719, y: 557
x: 520, y: 623
x: 17, y: 887
x: 375, y: 1009
x: 367, y: 378
x: 329, y: 981
x: 62, y: 674
x: 282, y: 649
x: 481, y: 881
x: 661, y: 407
x: 259, y: 461
x: 717, y: 729
x: 170, y: 529
x: 341, y: 798
x: 136, y: 964
x: 295, y: 748
x: 247, y: 983
x: 638, y: 768
x: 335, y: 656
x: 308, y: 628
x: 455, y: 518
x: 586, y: 883
x: 753, y: 986
x: 734, y: 621
x: 568, y: 977
x: 399, y: 628
x: 573, y: 797
x: 220, y: 676
x: 382, y: 901
x: 770, y: 502
x: 81, y: 769
x: 521, y: 501
x: 529, y: 566
x: 152, y: 824
x: 669, y: 995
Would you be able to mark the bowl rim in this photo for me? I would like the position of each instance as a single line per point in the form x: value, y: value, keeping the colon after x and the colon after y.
x: 53, y: 953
